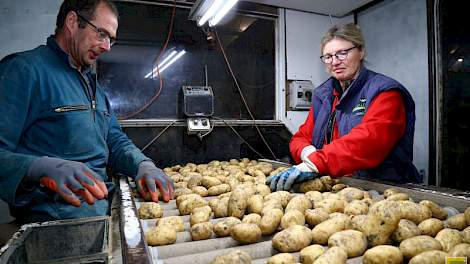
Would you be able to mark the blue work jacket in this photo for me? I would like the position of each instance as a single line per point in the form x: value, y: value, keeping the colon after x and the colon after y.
x: 398, y: 166
x: 48, y: 109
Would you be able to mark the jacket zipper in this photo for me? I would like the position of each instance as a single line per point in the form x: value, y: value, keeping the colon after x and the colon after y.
x: 70, y: 108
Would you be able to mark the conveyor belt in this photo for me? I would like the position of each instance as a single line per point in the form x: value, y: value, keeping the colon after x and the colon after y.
x: 199, y: 252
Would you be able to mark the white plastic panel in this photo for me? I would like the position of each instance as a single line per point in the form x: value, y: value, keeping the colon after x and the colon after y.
x: 396, y: 42
x: 303, y: 34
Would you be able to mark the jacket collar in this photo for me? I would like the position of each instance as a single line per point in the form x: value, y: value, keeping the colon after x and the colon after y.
x: 64, y: 56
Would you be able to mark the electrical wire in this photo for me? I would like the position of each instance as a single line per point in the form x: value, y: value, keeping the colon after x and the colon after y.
x: 240, y: 137
x: 157, y: 136
x: 241, y: 95
x: 157, y: 94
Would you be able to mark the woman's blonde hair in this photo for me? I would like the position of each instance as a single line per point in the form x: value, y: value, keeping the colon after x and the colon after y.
x: 350, y: 32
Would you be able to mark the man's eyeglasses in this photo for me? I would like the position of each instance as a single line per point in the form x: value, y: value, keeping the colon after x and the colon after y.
x: 340, y: 55
x: 103, y: 35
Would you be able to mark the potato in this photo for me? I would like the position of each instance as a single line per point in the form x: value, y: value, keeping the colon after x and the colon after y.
x: 398, y: 196
x: 390, y: 191
x: 323, y: 231
x: 182, y: 191
x: 460, y: 250
x: 221, y: 209
x: 315, y: 216
x: 357, y: 222
x: 255, y: 204
x: 300, y: 203
x: 331, y: 205
x: 194, y: 180
x: 377, y: 230
x: 174, y: 221
x: 188, y: 205
x: 235, y: 256
x: 184, y: 197
x: 281, y: 258
x: 448, y: 238
x: 201, y: 231
x: 200, y: 190
x: 328, y: 182
x: 431, y: 226
x: 181, y: 185
x: 383, y: 254
x: 414, y: 245
x: 292, y: 239
x: 333, y: 255
x: 466, y: 235
x: 456, y: 222
x: 353, y: 242
x: 436, y: 210
x: 161, y: 235
x: 262, y: 189
x: 237, y: 203
x: 314, y: 196
x: 312, y: 185
x: 223, y: 227
x: 292, y: 217
x: 405, y: 229
x: 356, y: 207
x: 270, y: 221
x: 429, y: 257
x: 309, y: 254
x: 218, y: 189
x: 208, y: 181
x: 200, y: 215
x: 351, y: 193
x: 338, y: 187
x: 414, y: 212
x: 252, y: 219
x: 246, y: 233
x: 150, y: 210
x: 272, y: 204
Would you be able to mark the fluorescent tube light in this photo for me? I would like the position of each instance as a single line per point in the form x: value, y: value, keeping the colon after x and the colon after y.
x: 175, y: 58
x: 154, y: 71
x: 216, y: 5
x: 222, y: 12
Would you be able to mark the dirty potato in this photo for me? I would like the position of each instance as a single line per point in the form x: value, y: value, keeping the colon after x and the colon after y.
x: 405, y: 229
x: 237, y: 203
x: 235, y: 256
x: 415, y: 245
x: 270, y: 221
x: 353, y: 242
x: 174, y: 221
x: 333, y: 255
x: 201, y: 231
x: 331, y: 205
x: 448, y: 238
x: 223, y: 227
x: 315, y: 216
x: 281, y: 258
x: 323, y: 231
x: 218, y: 189
x: 456, y: 222
x: 160, y: 235
x: 383, y: 254
x: 300, y: 203
x: 431, y: 226
x: 460, y: 250
x: 221, y: 208
x: 309, y: 254
x: 429, y: 257
x: 252, y: 219
x: 150, y: 210
x: 200, y: 215
x: 436, y: 210
x: 466, y: 235
x: 356, y: 207
x: 292, y: 239
x: 292, y: 217
x: 255, y: 204
x: 246, y: 233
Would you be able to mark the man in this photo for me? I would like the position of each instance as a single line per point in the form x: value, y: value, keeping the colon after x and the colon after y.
x: 58, y: 135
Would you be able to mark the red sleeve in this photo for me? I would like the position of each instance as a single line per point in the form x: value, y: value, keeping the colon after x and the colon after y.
x: 302, y: 138
x: 368, y: 144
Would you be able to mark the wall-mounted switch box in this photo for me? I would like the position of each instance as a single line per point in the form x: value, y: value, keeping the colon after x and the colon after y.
x: 300, y: 93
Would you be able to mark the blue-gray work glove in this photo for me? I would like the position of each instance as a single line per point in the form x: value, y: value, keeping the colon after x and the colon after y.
x: 68, y: 179
x: 295, y: 174
x: 149, y: 177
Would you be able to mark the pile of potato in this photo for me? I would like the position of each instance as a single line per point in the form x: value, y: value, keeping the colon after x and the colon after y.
x: 328, y: 222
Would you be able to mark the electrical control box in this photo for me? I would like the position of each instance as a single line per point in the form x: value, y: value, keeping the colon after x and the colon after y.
x: 198, y: 101
x: 300, y: 93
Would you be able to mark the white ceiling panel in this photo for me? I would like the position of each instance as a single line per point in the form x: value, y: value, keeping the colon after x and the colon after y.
x: 336, y: 8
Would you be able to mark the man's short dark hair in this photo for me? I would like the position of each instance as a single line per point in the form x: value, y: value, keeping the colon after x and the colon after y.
x: 86, y: 8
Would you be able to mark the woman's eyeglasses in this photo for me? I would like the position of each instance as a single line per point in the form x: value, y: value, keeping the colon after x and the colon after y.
x: 340, y: 55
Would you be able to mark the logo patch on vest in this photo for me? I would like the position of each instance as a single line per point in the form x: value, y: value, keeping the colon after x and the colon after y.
x: 360, y: 108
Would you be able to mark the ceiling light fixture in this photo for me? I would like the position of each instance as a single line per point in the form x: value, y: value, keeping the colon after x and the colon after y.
x: 210, y: 10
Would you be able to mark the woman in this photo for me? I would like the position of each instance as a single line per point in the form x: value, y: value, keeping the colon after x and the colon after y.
x: 360, y: 123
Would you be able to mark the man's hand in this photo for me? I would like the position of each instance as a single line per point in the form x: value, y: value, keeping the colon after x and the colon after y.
x: 149, y: 177
x: 68, y: 179
x: 285, y: 179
